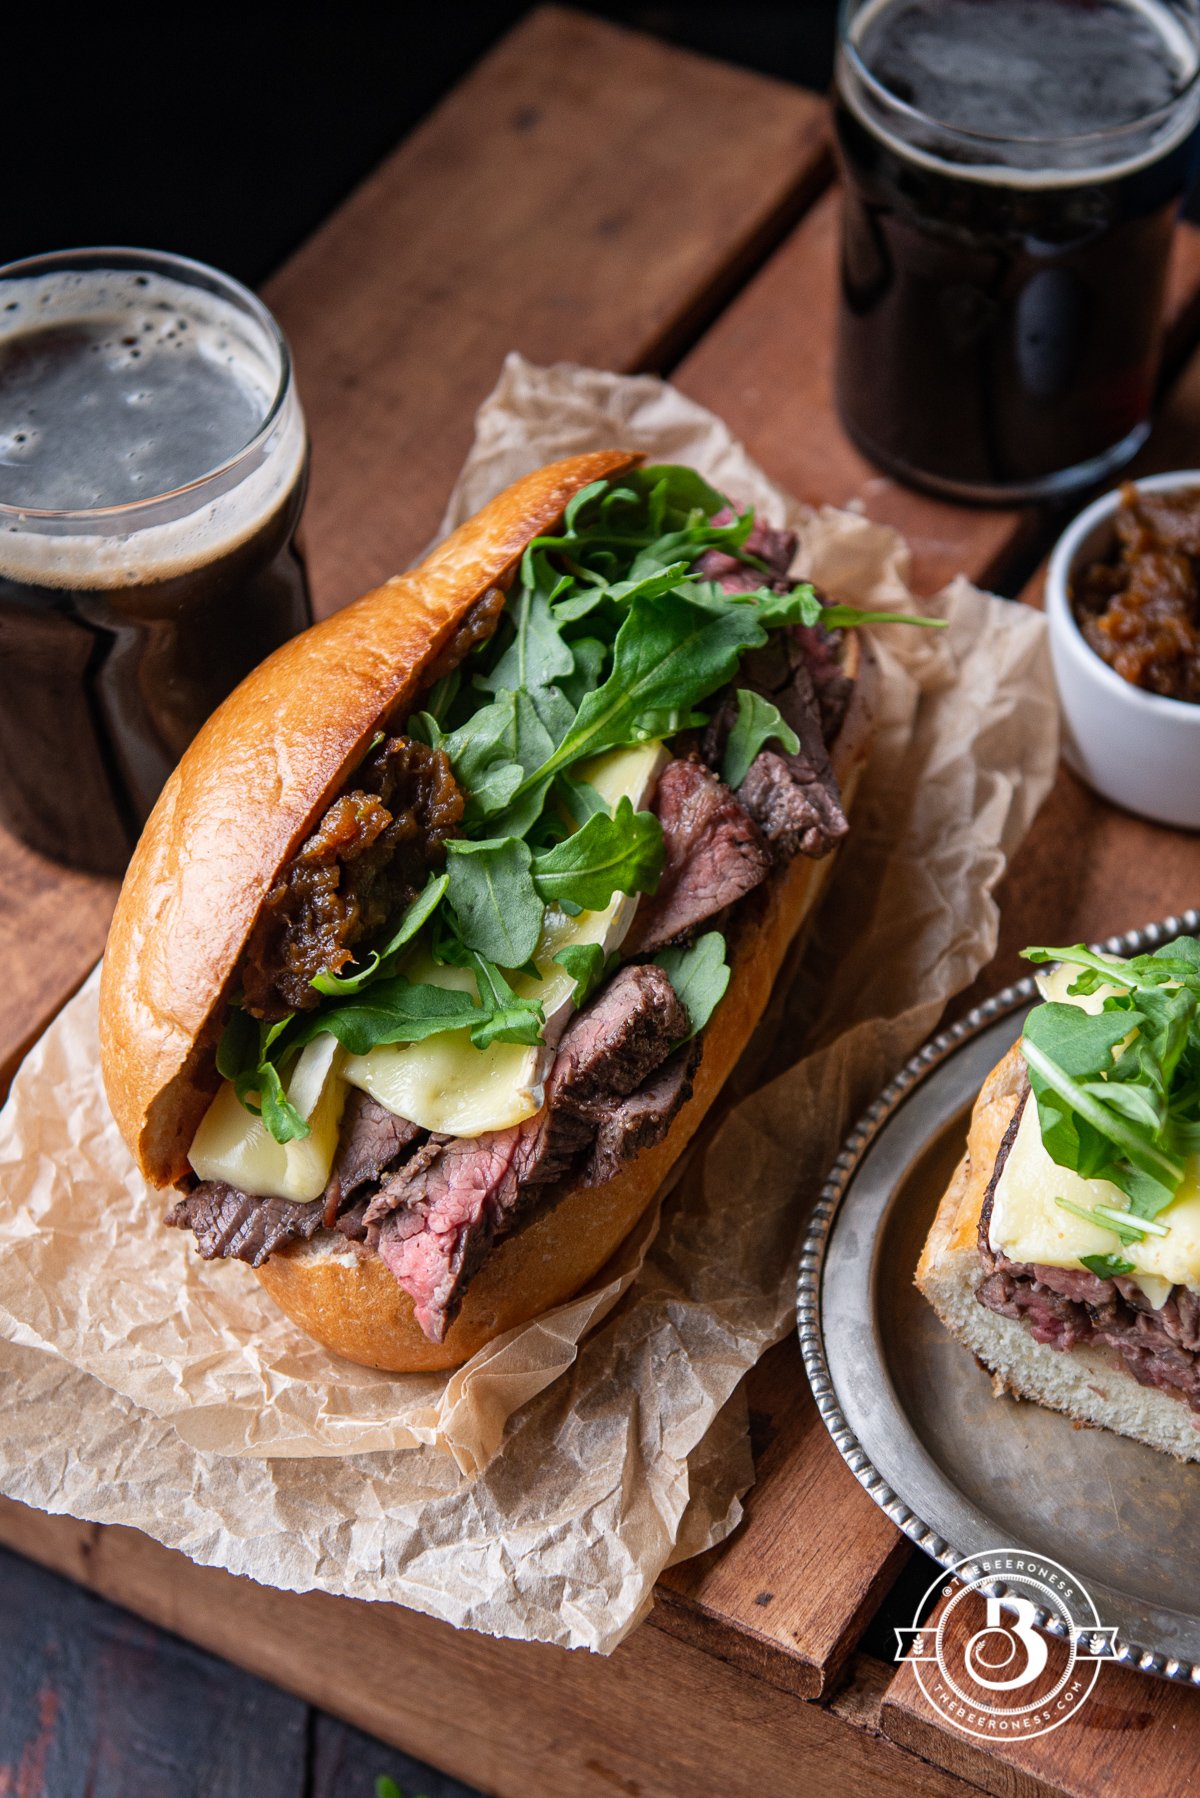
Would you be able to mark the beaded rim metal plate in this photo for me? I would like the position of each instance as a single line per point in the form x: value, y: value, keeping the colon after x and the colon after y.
x: 814, y: 1328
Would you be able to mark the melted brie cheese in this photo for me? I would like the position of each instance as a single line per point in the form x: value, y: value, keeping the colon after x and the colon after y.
x: 1028, y: 1226
x: 233, y: 1145
x: 1054, y: 987
x: 445, y: 1083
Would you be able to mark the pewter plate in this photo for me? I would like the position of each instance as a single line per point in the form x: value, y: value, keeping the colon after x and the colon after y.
x: 913, y: 1414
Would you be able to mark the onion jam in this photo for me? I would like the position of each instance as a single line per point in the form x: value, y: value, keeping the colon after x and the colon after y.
x: 1139, y: 607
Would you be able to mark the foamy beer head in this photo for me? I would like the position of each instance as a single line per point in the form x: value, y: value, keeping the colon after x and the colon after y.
x: 120, y: 387
x: 152, y: 466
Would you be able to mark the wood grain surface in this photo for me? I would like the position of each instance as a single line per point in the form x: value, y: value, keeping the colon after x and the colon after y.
x: 552, y: 205
x: 788, y: 1596
x: 95, y: 1702
x: 656, y: 1720
x: 1133, y: 1735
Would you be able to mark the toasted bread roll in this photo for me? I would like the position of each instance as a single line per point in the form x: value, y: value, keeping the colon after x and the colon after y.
x: 247, y: 793
x: 1090, y: 1384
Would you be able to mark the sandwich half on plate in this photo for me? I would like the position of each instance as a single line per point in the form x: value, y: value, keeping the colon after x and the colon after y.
x: 1066, y: 1252
x: 456, y: 915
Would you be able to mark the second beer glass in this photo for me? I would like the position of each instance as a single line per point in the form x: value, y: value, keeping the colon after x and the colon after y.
x: 1013, y: 169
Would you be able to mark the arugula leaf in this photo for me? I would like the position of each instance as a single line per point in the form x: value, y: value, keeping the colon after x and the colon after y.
x: 244, y: 1059
x: 678, y: 491
x: 1099, y: 969
x: 503, y: 759
x: 1183, y: 952
x: 1135, y: 1103
x: 757, y: 723
x: 423, y: 727
x: 1106, y: 1267
x: 481, y: 754
x: 278, y: 1113
x: 1102, y: 1138
x: 1081, y: 1042
x: 419, y: 912
x: 442, y: 694
x: 623, y: 854
x: 508, y: 1019
x: 590, y: 656
x: 1104, y: 1219
x: 668, y: 655
x: 650, y: 584
x: 238, y: 1048
x: 554, y: 711
x: 587, y: 965
x: 583, y: 498
x: 537, y: 655
x: 1118, y: 1091
x: 802, y: 606
x: 495, y: 901
x: 393, y: 1010
x: 699, y: 975
x: 580, y: 799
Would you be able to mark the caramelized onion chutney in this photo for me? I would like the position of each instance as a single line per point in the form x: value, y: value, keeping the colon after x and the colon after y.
x: 1139, y: 608
x: 367, y: 859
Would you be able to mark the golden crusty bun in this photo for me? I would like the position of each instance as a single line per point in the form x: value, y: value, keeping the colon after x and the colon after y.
x: 1090, y: 1384
x: 247, y: 792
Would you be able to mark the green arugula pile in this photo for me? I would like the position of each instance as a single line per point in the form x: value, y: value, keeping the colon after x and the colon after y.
x: 1130, y: 1118
x: 607, y: 640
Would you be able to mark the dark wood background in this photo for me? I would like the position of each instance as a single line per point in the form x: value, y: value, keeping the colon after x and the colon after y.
x: 96, y: 1704
x: 232, y: 140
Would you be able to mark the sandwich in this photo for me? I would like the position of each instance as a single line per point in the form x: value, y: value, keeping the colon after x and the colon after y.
x: 1065, y: 1253
x: 453, y: 919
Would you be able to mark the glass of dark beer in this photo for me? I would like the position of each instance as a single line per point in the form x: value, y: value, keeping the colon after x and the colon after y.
x: 1013, y: 171
x: 153, y: 461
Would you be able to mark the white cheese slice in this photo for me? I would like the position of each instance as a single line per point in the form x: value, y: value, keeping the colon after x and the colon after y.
x: 1054, y: 982
x: 233, y: 1145
x: 445, y: 1083
x: 1027, y: 1225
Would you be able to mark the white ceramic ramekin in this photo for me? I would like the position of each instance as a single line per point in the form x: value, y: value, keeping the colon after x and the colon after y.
x: 1136, y: 748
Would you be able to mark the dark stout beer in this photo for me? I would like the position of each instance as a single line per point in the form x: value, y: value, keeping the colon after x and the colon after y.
x: 152, y: 472
x: 1013, y: 170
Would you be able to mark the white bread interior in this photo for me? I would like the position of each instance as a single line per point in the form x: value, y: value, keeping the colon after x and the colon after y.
x: 1086, y: 1383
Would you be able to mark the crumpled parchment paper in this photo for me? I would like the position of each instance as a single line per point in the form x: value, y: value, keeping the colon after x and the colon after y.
x: 539, y: 1491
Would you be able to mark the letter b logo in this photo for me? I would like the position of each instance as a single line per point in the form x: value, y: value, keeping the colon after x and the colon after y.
x: 1021, y: 1637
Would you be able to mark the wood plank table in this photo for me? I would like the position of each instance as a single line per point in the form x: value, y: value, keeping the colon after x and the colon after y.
x: 566, y: 201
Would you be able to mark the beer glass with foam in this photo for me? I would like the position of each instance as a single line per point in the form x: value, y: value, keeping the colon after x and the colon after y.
x: 153, y: 461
